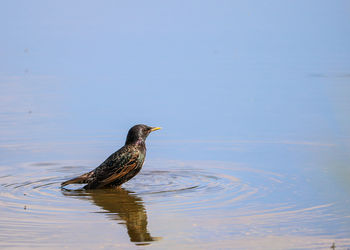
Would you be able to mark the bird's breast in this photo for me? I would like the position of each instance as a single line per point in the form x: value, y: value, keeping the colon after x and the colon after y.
x: 142, y: 156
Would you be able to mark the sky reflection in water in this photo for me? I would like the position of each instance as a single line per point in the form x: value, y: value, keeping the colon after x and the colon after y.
x: 254, y: 103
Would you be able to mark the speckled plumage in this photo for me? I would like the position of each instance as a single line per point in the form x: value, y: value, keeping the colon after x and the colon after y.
x: 122, y: 165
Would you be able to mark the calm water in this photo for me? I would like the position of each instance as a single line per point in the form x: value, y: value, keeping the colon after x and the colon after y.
x: 254, y: 103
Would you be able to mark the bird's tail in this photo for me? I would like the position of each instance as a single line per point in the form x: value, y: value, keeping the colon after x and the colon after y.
x: 77, y: 180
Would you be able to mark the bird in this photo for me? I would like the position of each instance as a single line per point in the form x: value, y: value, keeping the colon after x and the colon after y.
x: 120, y: 166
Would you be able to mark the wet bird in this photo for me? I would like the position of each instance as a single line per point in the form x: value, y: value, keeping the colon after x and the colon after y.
x: 122, y: 165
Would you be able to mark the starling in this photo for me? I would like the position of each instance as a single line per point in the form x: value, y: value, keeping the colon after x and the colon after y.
x: 122, y: 165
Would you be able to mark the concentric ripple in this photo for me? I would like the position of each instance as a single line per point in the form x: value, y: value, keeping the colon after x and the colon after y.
x: 227, y: 195
x: 190, y: 188
x: 37, y: 186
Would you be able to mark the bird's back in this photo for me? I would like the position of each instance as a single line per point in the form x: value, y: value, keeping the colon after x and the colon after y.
x: 118, y: 168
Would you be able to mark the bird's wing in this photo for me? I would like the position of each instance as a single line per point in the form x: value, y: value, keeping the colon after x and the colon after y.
x: 124, y: 162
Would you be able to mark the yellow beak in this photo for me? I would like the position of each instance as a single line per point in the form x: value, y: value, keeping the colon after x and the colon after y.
x: 155, y: 128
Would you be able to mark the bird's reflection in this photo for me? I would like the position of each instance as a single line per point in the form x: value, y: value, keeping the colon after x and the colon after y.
x: 122, y: 205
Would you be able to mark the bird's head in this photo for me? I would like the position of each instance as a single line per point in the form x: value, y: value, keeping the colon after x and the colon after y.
x: 139, y: 132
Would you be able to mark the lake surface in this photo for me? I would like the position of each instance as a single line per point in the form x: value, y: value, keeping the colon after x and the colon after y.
x: 254, y: 103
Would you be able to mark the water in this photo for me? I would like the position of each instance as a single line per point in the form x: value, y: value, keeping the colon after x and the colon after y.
x: 254, y: 103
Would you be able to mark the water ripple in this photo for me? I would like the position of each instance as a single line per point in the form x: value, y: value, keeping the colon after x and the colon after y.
x: 236, y: 194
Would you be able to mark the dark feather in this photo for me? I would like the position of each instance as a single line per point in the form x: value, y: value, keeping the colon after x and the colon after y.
x: 118, y: 168
x: 121, y: 166
x: 78, y: 180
